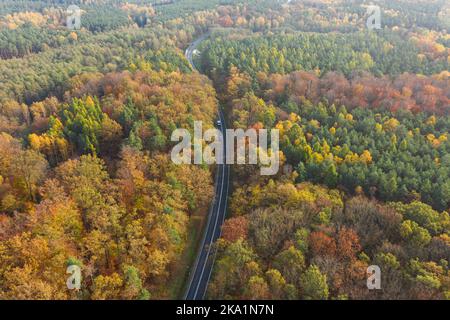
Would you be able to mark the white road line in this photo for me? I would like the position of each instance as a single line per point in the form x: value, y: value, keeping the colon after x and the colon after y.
x: 214, y: 230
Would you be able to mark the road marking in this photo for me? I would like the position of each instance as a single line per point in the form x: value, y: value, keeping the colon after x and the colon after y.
x: 208, y: 222
x: 215, y: 224
x: 220, y: 233
x: 225, y: 169
x: 194, y: 269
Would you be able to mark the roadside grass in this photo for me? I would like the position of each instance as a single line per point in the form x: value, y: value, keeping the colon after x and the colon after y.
x: 177, y: 283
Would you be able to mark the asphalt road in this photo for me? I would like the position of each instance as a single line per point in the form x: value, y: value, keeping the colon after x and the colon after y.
x: 190, y: 50
x: 203, y: 265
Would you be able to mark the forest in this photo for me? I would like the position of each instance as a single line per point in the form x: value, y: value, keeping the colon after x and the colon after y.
x: 86, y: 177
x: 348, y: 53
x: 363, y: 120
x: 91, y: 184
x: 85, y: 174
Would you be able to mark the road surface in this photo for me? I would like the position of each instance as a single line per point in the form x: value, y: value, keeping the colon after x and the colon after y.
x: 203, y: 265
x: 192, y: 47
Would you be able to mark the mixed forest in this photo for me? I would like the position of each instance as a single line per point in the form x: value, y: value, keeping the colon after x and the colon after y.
x: 86, y: 118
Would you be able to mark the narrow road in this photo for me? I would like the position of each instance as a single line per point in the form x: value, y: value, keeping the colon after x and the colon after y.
x: 192, y: 47
x: 203, y: 265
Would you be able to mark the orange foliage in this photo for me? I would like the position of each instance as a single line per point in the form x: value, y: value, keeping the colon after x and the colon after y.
x: 235, y: 228
x: 321, y: 244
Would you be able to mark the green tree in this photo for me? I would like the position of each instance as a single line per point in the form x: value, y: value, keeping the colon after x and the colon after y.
x: 291, y: 263
x: 133, y: 288
x: 414, y: 234
x: 82, y: 120
x: 313, y: 284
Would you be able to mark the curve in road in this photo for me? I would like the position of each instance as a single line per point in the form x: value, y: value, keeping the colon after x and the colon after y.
x: 203, y: 266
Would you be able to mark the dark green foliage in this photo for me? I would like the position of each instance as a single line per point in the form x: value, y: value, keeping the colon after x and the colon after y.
x: 386, y: 53
x: 404, y: 161
x: 103, y: 18
x: 82, y: 122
